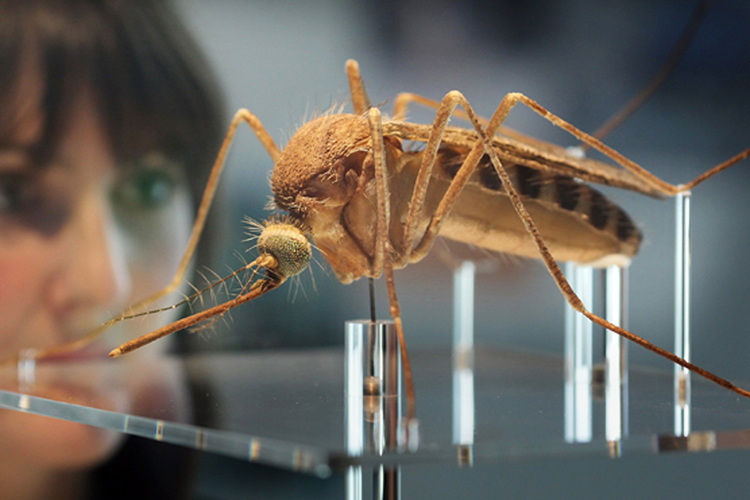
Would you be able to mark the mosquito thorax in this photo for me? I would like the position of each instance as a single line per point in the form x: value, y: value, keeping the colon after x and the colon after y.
x: 288, y: 243
x: 311, y: 163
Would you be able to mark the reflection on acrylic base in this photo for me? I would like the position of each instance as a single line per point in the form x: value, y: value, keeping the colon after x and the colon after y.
x: 286, y: 409
x: 26, y: 369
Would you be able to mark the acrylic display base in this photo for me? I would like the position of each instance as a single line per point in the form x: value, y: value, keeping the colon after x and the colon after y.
x: 287, y: 409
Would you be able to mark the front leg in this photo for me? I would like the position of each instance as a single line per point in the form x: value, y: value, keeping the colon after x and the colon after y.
x: 383, y: 254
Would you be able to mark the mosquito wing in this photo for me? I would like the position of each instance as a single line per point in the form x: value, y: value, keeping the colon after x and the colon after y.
x: 530, y: 152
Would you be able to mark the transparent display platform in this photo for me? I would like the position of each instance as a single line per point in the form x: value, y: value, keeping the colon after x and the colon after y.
x: 287, y: 409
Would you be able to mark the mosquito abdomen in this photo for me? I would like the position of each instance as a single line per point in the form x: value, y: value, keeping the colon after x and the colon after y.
x: 578, y: 223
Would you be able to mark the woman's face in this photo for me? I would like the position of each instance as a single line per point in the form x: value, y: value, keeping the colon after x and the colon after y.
x: 81, y: 238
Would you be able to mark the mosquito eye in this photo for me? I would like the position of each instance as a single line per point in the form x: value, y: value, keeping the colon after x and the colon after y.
x: 333, y: 187
x: 312, y: 192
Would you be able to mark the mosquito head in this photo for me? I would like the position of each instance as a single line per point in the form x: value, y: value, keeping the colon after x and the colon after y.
x: 287, y: 241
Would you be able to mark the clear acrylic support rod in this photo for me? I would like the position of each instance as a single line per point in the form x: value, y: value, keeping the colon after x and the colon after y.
x: 682, y: 314
x: 578, y: 357
x: 616, y: 367
x: 463, y: 361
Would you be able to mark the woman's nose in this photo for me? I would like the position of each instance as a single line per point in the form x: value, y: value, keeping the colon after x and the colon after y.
x: 93, y: 276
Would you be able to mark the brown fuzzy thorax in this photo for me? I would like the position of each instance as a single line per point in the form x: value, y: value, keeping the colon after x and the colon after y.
x: 313, y: 152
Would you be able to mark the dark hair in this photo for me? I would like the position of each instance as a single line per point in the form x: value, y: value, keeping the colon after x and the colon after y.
x: 153, y: 91
x: 152, y: 85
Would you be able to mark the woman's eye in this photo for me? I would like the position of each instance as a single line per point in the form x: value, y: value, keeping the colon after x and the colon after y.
x: 15, y: 194
x: 146, y: 189
x: 25, y: 202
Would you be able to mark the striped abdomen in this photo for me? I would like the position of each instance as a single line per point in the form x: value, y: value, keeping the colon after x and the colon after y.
x: 577, y: 222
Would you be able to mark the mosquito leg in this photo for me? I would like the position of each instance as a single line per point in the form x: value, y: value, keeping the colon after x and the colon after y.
x: 257, y: 289
x: 445, y: 110
x: 718, y: 168
x: 403, y: 100
x: 381, y: 187
x: 664, y: 187
x: 360, y: 101
x: 673, y: 59
x: 361, y: 104
x: 371, y: 288
x: 241, y: 116
x: 459, y: 181
x: 464, y: 172
x: 565, y: 287
x: 395, y: 310
x: 197, y: 294
x: 382, y: 246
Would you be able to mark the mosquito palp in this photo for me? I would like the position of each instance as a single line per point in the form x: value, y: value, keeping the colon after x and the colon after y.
x: 285, y: 251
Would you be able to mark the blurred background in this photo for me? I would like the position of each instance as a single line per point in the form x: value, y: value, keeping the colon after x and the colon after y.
x: 582, y: 60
